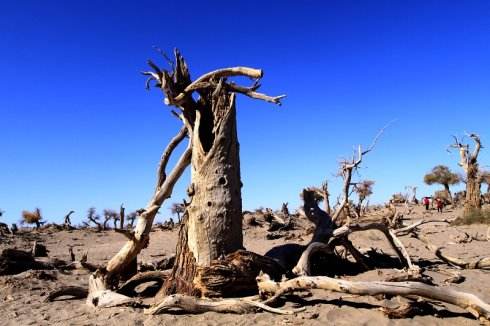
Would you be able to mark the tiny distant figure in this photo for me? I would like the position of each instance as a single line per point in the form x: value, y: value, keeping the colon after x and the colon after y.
x: 426, y: 203
x: 439, y: 205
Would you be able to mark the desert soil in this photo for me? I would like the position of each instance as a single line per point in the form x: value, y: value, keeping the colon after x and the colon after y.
x: 22, y: 295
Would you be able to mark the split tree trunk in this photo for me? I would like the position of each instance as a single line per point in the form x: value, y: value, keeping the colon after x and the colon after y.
x: 213, y: 220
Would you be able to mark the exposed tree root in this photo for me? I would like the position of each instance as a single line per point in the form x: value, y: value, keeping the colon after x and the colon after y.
x: 273, y: 290
x: 128, y: 288
x: 76, y: 292
x: 235, y: 274
x: 100, y: 297
x: 194, y: 305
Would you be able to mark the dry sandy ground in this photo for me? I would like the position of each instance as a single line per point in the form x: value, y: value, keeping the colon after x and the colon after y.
x: 22, y: 296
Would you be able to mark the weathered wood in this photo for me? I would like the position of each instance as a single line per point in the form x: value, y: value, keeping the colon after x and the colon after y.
x: 75, y: 292
x: 213, y: 217
x: 469, y: 163
x: 235, y: 275
x: 473, y: 304
x: 194, y: 305
x: 100, y: 297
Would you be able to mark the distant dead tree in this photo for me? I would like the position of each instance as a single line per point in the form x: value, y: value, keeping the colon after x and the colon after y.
x: 285, y: 209
x: 131, y: 217
x: 93, y: 217
x: 346, y: 170
x: 177, y: 209
x: 67, y: 220
x: 121, y: 216
x: 110, y: 215
x: 364, y: 189
x: 32, y: 217
x: 442, y: 175
x: 412, y: 190
x: 469, y: 163
x: 484, y: 177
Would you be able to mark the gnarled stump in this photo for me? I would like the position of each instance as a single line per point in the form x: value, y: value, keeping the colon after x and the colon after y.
x: 235, y: 275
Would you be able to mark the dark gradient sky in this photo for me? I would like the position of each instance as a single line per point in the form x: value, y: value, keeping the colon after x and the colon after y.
x: 78, y: 129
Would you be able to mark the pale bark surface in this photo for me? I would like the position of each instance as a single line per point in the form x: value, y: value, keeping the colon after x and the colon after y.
x: 212, y: 224
x: 469, y: 163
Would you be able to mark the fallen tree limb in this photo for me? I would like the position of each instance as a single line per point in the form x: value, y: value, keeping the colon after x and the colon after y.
x: 139, y: 239
x: 273, y: 290
x: 194, y: 305
x: 480, y: 263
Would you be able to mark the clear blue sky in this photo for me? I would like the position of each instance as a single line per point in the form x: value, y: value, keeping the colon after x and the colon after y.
x: 78, y: 129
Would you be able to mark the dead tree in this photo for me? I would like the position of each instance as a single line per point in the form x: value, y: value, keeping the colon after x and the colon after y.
x: 93, y: 217
x: 110, y: 214
x: 67, y: 220
x: 285, y: 210
x: 121, y: 216
x: 364, y: 189
x: 131, y: 218
x: 178, y: 209
x: 329, y: 233
x: 413, y: 191
x: 347, y: 168
x: 213, y: 219
x: 469, y: 163
x: 212, y: 223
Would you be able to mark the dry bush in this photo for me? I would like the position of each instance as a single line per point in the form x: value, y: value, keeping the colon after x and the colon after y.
x: 32, y: 217
x: 476, y: 216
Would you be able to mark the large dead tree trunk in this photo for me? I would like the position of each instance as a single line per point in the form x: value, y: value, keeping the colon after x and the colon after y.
x: 213, y: 218
x: 469, y: 163
x: 473, y: 186
x: 212, y: 226
x: 213, y: 222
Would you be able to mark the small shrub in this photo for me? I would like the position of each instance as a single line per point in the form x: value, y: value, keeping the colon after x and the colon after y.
x: 32, y: 217
x: 476, y: 216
